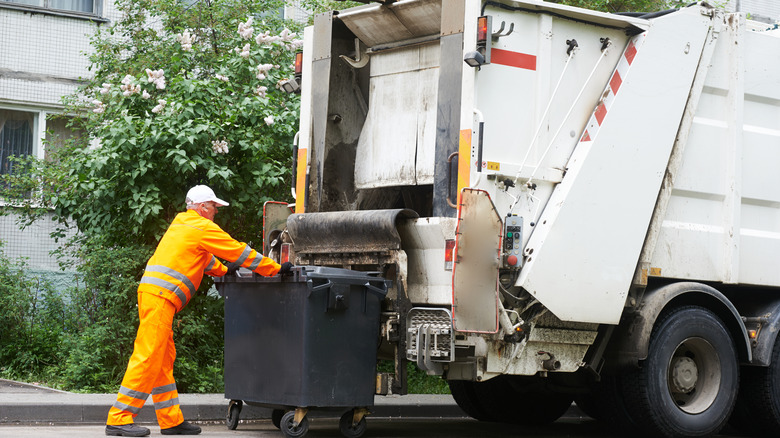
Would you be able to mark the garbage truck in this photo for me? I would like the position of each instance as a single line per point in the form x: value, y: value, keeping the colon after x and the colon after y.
x: 571, y: 205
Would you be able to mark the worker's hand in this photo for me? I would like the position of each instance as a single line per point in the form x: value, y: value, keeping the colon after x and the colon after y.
x: 286, y: 269
x: 232, y: 267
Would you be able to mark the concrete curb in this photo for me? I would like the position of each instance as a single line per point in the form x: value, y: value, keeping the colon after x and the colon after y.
x: 22, y: 403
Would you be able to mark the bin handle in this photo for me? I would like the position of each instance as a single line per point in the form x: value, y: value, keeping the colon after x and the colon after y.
x: 378, y: 291
x: 320, y: 287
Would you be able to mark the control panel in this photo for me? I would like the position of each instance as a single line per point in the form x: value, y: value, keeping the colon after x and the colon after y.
x: 513, y: 241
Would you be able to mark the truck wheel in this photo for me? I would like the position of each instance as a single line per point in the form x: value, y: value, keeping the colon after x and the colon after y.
x: 348, y: 429
x: 234, y: 412
x: 466, y: 398
x: 688, y: 384
x: 522, y: 400
x: 291, y: 431
x: 758, y: 403
x: 605, y: 403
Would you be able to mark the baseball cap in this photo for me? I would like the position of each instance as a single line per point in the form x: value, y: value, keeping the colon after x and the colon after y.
x: 202, y: 193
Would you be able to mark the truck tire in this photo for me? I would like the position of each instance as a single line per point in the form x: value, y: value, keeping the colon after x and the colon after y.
x: 463, y: 393
x: 510, y: 399
x: 758, y: 404
x: 688, y: 384
x: 605, y: 403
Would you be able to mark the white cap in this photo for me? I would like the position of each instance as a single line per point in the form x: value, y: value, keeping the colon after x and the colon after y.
x: 202, y: 193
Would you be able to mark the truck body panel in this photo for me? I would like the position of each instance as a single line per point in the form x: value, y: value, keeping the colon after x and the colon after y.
x: 578, y: 176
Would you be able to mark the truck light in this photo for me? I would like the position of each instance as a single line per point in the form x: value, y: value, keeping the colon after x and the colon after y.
x: 484, y: 35
x: 284, y: 253
x: 449, y: 252
x: 298, y: 65
x: 752, y: 333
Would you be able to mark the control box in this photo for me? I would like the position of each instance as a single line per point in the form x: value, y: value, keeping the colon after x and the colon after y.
x: 513, y: 241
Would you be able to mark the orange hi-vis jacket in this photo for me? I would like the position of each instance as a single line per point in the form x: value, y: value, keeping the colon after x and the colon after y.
x: 186, y: 252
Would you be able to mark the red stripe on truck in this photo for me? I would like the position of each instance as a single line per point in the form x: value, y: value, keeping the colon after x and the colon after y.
x: 513, y: 59
x: 615, y: 82
x: 630, y: 52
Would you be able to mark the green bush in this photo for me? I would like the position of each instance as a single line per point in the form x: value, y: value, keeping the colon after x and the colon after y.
x: 30, y: 322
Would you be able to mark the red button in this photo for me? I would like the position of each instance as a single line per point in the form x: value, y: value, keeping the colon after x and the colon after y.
x: 511, y: 260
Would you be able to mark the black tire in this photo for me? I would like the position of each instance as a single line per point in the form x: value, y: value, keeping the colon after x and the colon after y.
x: 348, y: 429
x: 605, y: 403
x: 758, y: 403
x: 688, y: 384
x: 291, y: 431
x: 523, y: 400
x: 234, y: 412
x: 466, y: 398
x: 276, y: 418
x: 510, y: 399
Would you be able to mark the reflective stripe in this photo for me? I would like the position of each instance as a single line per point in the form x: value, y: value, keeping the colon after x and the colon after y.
x: 166, y: 404
x: 166, y: 285
x: 244, y: 255
x: 165, y: 388
x: 132, y: 393
x: 256, y: 261
x: 211, y: 263
x: 175, y: 274
x: 123, y: 407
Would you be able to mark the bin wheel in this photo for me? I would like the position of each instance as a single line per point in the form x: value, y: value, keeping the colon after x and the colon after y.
x: 276, y: 417
x: 234, y: 412
x: 291, y: 431
x: 349, y: 430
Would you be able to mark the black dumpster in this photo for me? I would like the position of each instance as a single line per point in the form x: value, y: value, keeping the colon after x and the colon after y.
x: 304, y: 341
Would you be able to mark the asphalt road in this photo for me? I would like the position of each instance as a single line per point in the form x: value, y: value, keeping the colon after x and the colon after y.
x: 328, y: 428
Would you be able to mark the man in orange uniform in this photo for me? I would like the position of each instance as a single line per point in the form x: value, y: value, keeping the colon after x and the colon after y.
x: 186, y: 252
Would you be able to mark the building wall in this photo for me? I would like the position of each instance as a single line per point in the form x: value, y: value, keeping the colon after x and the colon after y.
x: 44, y: 56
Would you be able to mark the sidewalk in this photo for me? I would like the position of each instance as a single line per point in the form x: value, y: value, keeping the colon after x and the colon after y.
x: 22, y: 403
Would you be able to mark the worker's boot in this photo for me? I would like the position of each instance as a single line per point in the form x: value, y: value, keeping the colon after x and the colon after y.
x: 127, y: 430
x: 184, y: 428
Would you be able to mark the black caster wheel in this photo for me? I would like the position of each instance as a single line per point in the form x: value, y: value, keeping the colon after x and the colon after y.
x: 291, y: 431
x: 348, y: 429
x: 276, y: 418
x: 234, y: 412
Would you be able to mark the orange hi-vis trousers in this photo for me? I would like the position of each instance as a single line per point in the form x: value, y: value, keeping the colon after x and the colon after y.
x: 150, y: 370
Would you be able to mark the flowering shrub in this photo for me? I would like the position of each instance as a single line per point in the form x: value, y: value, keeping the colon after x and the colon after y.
x: 184, y: 95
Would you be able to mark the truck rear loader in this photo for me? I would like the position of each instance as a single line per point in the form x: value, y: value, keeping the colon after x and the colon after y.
x: 571, y: 205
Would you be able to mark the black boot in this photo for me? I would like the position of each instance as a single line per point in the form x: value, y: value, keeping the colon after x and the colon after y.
x: 184, y: 428
x: 127, y: 430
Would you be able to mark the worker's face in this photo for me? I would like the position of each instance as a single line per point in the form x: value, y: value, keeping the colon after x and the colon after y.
x: 207, y: 210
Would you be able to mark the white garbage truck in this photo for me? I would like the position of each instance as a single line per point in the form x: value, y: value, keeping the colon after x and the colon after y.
x: 571, y: 205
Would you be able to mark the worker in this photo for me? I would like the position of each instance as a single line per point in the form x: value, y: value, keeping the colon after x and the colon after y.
x: 186, y: 252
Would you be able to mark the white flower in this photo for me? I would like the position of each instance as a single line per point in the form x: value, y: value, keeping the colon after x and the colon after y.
x: 245, y: 29
x: 245, y: 51
x: 265, y: 38
x: 260, y: 91
x: 219, y: 146
x: 99, y: 107
x: 269, y: 120
x: 156, y: 76
x: 286, y: 35
x: 106, y: 88
x: 127, y: 80
x: 160, y: 105
x: 221, y: 77
x: 185, y: 40
x: 262, y: 69
x: 260, y: 76
x: 145, y: 95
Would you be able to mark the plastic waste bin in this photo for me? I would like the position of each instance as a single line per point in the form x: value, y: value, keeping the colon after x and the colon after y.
x: 304, y: 341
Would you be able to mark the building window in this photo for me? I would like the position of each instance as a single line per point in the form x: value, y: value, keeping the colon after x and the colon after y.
x: 86, y: 6
x: 17, y: 135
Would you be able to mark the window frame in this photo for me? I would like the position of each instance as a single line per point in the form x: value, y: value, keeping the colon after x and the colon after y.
x: 96, y: 15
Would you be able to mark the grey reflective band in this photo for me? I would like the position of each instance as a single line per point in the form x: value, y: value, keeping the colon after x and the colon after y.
x: 244, y: 255
x: 132, y: 393
x: 165, y: 388
x: 166, y: 285
x: 256, y: 261
x: 166, y: 404
x: 211, y: 263
x: 175, y: 274
x: 127, y: 408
